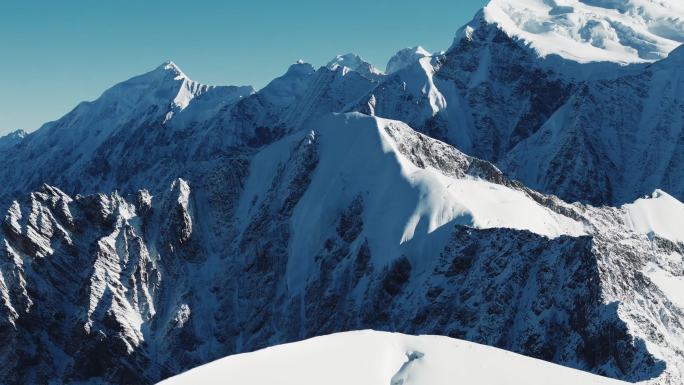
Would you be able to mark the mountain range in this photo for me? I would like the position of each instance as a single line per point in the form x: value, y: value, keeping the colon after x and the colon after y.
x: 521, y: 189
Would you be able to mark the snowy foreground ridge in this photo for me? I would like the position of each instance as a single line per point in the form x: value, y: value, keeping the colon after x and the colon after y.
x: 379, y: 358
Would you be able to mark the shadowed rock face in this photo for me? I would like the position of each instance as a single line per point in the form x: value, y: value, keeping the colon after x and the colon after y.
x: 135, y: 288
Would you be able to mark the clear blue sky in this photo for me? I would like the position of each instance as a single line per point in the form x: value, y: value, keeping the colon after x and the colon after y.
x: 54, y: 54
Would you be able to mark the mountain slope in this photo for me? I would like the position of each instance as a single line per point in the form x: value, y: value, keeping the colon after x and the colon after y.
x: 624, y: 136
x: 593, y: 30
x: 296, y: 241
x: 367, y: 357
x: 405, y: 57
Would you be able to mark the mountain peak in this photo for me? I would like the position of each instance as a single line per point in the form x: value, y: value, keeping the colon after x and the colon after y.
x: 12, y: 138
x: 16, y: 134
x: 619, y: 31
x: 405, y: 57
x: 355, y: 63
x: 299, y: 68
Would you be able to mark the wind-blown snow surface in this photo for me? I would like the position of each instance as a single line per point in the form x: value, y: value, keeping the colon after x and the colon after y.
x: 373, y: 358
x: 593, y: 30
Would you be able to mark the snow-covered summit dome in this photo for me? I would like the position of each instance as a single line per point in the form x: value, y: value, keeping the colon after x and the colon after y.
x: 620, y: 31
x: 405, y: 57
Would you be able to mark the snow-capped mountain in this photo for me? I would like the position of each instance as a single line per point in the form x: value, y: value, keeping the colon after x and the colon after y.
x: 297, y: 240
x: 354, y: 62
x: 143, y: 132
x: 612, y: 140
x: 370, y: 358
x: 169, y: 223
x: 598, y: 132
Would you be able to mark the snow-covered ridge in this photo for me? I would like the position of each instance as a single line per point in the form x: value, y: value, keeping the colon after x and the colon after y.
x: 166, y: 87
x: 372, y: 358
x: 355, y: 222
x: 620, y: 31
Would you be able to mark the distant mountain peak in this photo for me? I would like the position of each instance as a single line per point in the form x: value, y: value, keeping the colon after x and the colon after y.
x: 355, y: 63
x: 12, y: 138
x: 405, y: 57
x: 171, y: 67
x: 586, y: 31
x: 16, y: 134
x: 300, y: 67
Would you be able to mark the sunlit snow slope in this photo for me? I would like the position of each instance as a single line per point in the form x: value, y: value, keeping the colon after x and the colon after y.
x: 660, y: 214
x: 593, y: 30
x: 373, y: 358
x: 406, y: 198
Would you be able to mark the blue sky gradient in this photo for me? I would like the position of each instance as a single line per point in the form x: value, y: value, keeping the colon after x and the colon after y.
x: 58, y: 53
